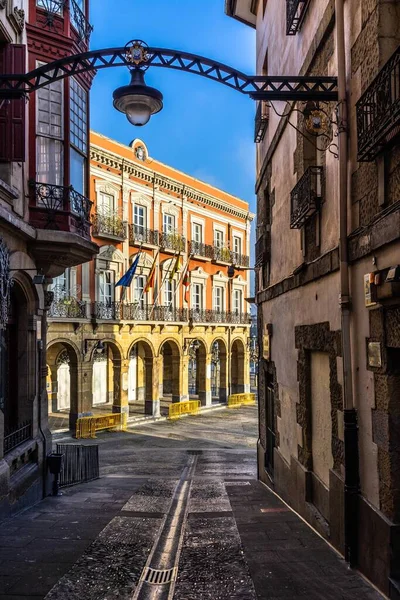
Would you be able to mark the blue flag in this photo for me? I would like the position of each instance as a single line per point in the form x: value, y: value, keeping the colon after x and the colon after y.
x: 126, y: 279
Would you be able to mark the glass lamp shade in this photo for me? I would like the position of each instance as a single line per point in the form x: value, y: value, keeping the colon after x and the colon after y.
x: 137, y: 100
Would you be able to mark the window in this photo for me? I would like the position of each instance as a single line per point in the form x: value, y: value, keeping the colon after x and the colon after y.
x: 51, y: 6
x: 168, y: 223
x: 139, y: 216
x: 78, y: 133
x: 197, y: 233
x: 105, y: 204
x: 197, y: 296
x: 106, y: 287
x: 169, y: 293
x: 61, y: 285
x: 218, y: 299
x: 237, y: 301
x: 49, y: 133
x: 139, y: 297
x: 80, y: 4
x: 237, y: 244
x: 218, y: 238
x: 78, y: 116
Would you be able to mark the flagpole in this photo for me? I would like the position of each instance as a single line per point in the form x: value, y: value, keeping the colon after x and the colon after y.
x: 143, y: 293
x: 162, y: 284
x: 182, y: 275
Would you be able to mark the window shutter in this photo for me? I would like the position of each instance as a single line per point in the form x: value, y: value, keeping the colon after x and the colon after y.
x: 12, y: 113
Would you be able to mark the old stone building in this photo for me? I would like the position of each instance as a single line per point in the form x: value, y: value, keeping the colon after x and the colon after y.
x: 44, y: 225
x: 185, y: 335
x: 325, y: 363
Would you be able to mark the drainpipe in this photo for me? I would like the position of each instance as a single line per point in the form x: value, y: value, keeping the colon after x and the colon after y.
x: 351, y: 465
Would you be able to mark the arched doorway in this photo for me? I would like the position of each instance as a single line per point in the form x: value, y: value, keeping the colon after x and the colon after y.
x: 219, y: 383
x: 106, y: 375
x: 197, y: 367
x: 140, y: 379
x: 237, y: 367
x: 62, y: 384
x: 171, y: 373
x: 17, y: 370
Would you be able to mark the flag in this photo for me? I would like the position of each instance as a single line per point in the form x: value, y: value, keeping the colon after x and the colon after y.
x: 126, y: 279
x: 150, y: 277
x: 175, y: 268
x: 186, y: 284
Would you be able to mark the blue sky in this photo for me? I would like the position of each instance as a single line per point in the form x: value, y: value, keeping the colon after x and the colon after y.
x: 205, y: 129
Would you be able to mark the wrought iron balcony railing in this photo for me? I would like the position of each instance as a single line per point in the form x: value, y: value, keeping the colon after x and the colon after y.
x: 59, y: 207
x: 17, y: 435
x: 119, y: 311
x: 240, y: 260
x: 197, y: 315
x: 295, y: 13
x: 172, y: 241
x: 306, y: 197
x: 200, y: 249
x: 140, y: 235
x: 378, y: 111
x: 261, y: 122
x: 67, y: 308
x: 80, y: 22
x: 262, y: 248
x: 105, y: 225
x: 222, y: 254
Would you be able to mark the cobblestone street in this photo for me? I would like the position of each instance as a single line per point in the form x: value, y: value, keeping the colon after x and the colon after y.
x: 177, y: 513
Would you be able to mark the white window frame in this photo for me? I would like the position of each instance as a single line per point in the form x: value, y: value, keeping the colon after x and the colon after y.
x: 169, y: 293
x: 136, y: 216
x: 197, y: 291
x: 197, y: 228
x: 51, y: 142
x: 219, y: 298
x: 169, y: 223
x: 219, y: 233
x: 110, y: 210
x: 138, y: 284
x: 106, y: 296
x: 237, y: 294
x: 237, y: 240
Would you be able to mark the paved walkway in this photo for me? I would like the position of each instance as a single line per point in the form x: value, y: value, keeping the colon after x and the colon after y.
x: 177, y: 514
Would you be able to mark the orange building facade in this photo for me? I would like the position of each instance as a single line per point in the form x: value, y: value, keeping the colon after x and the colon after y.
x: 181, y: 328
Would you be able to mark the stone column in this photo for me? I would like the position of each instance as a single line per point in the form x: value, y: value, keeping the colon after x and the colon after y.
x: 120, y: 401
x: 185, y: 377
x: 152, y: 399
x: 54, y: 388
x: 223, y: 379
x: 205, y: 381
x: 81, y: 391
x: 176, y: 379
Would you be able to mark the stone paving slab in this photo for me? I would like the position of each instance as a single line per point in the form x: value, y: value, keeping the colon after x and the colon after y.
x: 240, y: 542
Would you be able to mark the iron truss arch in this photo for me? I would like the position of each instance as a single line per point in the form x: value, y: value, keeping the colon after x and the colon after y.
x: 255, y: 86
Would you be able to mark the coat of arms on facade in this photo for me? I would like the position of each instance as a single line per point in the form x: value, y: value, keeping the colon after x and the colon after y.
x: 140, y: 153
x: 136, y: 53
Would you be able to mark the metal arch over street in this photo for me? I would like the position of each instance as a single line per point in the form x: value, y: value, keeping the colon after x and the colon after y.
x: 256, y: 86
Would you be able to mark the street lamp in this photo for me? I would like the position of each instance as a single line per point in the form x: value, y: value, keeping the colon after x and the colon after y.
x: 137, y: 100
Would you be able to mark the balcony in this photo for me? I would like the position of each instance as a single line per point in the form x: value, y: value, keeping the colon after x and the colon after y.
x: 139, y: 235
x: 262, y: 248
x: 173, y: 242
x: 119, y: 311
x: 295, y: 13
x: 67, y: 308
x: 378, y: 111
x: 240, y: 260
x: 306, y: 197
x: 261, y: 122
x: 109, y: 226
x: 59, y: 208
x: 200, y: 249
x: 214, y: 316
x: 222, y: 254
x: 80, y: 23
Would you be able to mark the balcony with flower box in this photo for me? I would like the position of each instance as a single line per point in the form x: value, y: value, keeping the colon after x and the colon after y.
x: 222, y: 254
x: 61, y: 216
x: 172, y: 242
x: 109, y: 226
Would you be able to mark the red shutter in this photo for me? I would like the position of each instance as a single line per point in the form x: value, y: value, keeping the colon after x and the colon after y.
x: 12, y: 113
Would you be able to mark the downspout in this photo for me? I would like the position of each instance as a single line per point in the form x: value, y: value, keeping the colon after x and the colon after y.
x: 351, y: 463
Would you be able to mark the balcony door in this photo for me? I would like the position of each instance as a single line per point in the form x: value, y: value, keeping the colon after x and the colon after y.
x: 105, y: 204
x: 197, y: 296
x: 168, y: 223
x: 237, y: 302
x: 139, y: 298
x: 106, y: 287
x: 139, y: 219
x: 218, y: 238
x: 218, y: 299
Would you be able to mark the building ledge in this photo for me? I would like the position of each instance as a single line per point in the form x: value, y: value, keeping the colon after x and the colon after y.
x: 244, y: 11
